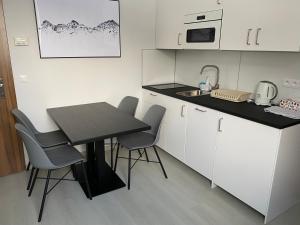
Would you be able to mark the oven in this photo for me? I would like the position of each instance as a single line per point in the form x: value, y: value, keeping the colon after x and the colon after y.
x: 203, y: 30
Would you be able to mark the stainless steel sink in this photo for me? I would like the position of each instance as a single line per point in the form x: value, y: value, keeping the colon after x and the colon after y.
x: 192, y: 93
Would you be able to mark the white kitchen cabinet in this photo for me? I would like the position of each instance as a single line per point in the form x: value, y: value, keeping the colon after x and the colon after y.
x: 279, y: 26
x: 260, y: 25
x: 173, y: 127
x: 197, y: 6
x: 245, y: 160
x: 240, y: 20
x: 201, y: 133
x: 169, y: 24
x: 257, y: 164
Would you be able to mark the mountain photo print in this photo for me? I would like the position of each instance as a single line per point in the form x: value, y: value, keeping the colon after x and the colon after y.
x: 78, y: 28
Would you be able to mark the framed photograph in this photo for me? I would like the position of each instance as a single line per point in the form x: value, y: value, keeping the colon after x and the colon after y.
x: 78, y: 28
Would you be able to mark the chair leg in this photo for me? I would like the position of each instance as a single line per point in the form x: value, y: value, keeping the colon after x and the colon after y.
x: 44, y: 196
x: 129, y: 169
x: 146, y: 154
x: 111, y: 153
x: 116, y: 161
x: 140, y: 152
x: 86, y: 181
x: 28, y: 166
x: 30, y: 178
x: 162, y: 167
x: 33, y: 182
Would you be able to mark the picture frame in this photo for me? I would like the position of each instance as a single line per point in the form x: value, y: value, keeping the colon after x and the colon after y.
x: 78, y: 28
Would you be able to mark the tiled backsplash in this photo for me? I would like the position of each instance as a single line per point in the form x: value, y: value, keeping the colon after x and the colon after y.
x: 241, y: 70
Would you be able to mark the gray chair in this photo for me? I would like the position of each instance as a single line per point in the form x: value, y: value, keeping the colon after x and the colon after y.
x: 127, y: 105
x: 143, y: 140
x: 59, y: 157
x: 46, y: 140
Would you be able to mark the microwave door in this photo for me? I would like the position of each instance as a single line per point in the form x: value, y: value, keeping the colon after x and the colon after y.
x: 204, y: 35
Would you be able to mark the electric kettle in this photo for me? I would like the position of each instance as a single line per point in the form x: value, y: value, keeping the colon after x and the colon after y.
x: 266, y: 91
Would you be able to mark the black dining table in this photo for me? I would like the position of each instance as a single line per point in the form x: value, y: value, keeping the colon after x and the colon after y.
x: 91, y: 124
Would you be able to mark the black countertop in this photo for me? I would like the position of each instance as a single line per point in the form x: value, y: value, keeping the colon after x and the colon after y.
x: 244, y: 110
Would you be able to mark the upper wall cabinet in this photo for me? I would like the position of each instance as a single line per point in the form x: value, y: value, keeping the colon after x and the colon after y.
x: 196, y: 6
x: 169, y: 19
x: 248, y: 25
x: 169, y: 24
x: 255, y: 25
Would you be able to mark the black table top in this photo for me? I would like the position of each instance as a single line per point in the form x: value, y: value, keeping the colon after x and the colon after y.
x: 244, y: 110
x: 94, y: 122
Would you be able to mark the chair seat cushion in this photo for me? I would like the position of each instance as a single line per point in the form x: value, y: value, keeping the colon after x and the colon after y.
x: 64, y: 155
x: 137, y: 140
x: 51, y: 139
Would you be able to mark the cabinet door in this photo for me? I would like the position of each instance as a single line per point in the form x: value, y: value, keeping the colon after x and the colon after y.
x: 201, y: 136
x: 169, y: 24
x: 173, y: 129
x: 197, y: 6
x: 240, y: 21
x: 173, y: 126
x: 245, y: 160
x: 279, y: 29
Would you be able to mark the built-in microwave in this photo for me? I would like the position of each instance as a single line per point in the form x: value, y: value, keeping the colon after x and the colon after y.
x: 203, y: 30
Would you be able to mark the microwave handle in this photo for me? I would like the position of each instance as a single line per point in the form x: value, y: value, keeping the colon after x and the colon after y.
x: 179, y: 39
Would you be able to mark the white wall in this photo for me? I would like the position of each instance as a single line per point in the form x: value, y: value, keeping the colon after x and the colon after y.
x: 241, y: 70
x: 59, y: 82
x: 158, y: 66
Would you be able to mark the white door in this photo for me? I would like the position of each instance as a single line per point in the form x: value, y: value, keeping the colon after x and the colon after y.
x: 173, y: 129
x: 240, y: 20
x: 245, y: 160
x: 169, y: 24
x: 201, y: 136
x: 279, y: 29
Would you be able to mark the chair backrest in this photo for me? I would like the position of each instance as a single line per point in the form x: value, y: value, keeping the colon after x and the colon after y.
x: 128, y: 105
x: 153, y: 117
x: 24, y: 120
x: 37, y: 156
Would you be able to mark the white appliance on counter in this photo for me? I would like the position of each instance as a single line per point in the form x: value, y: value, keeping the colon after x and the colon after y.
x: 266, y: 91
x: 203, y: 30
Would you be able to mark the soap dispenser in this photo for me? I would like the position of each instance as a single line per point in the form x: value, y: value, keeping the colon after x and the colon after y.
x: 207, y: 86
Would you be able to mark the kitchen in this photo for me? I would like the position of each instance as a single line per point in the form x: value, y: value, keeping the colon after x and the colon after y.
x: 235, y: 146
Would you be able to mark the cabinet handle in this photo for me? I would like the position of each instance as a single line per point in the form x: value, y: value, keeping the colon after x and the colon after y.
x: 257, y: 35
x: 200, y: 110
x: 248, y: 36
x: 182, y: 110
x: 179, y: 39
x: 153, y: 95
x: 219, y: 2
x: 219, y: 126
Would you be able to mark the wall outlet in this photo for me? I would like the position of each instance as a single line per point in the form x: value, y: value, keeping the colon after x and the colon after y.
x: 291, y: 83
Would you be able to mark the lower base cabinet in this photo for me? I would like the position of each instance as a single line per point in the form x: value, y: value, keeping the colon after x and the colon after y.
x: 173, y: 127
x: 245, y: 160
x: 201, y: 133
x: 257, y: 164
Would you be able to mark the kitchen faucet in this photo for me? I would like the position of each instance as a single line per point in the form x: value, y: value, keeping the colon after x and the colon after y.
x: 218, y: 74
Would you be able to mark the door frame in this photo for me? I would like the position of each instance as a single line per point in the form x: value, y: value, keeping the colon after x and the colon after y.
x: 16, y: 152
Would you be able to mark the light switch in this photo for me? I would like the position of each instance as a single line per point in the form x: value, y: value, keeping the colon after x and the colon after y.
x: 21, y: 41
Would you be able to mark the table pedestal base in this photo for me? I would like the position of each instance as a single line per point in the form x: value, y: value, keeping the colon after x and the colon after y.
x: 108, y: 182
x: 101, y: 177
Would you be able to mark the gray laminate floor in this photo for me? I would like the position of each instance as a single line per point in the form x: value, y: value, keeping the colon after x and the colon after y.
x: 184, y: 199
